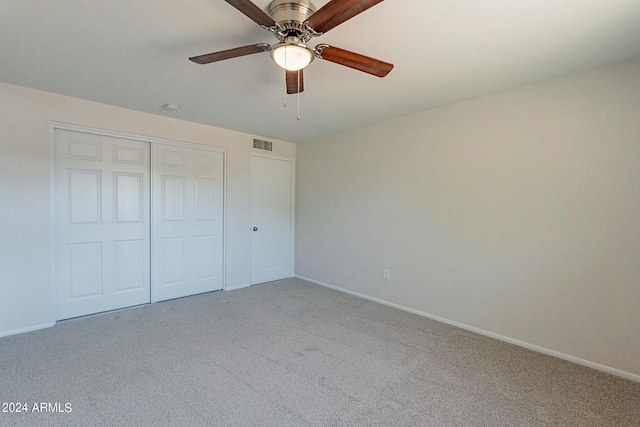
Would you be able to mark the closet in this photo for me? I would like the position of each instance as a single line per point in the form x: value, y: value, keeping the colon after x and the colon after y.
x: 134, y: 221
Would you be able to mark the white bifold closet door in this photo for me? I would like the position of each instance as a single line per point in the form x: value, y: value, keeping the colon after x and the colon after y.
x: 134, y: 222
x: 187, y: 221
x: 101, y: 223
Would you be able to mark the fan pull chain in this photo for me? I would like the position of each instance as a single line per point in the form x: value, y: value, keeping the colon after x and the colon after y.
x: 298, y: 116
x: 285, y: 67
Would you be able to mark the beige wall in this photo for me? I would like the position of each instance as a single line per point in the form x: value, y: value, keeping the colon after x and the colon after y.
x: 517, y: 214
x: 25, y: 190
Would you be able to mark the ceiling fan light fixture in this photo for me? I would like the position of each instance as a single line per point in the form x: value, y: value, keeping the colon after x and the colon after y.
x: 294, y: 23
x: 291, y: 56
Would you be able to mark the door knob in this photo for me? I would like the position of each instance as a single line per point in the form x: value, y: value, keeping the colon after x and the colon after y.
x: 255, y: 228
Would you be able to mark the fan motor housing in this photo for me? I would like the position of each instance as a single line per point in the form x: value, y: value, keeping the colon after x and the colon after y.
x: 284, y: 11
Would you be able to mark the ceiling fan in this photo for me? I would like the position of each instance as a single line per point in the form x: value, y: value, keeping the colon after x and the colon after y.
x: 294, y: 23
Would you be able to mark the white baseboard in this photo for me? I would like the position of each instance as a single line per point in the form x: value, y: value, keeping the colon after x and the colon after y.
x: 233, y: 288
x: 23, y: 330
x: 593, y: 365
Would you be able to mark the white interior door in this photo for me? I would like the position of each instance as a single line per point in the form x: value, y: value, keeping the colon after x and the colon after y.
x: 101, y: 223
x: 187, y: 217
x: 271, y: 219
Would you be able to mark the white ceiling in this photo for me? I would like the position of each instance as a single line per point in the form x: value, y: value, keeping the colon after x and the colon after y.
x: 133, y: 54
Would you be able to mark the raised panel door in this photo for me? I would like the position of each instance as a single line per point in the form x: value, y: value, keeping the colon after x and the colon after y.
x: 187, y: 243
x: 101, y: 223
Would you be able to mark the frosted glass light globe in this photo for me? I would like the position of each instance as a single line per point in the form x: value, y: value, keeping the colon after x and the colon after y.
x: 291, y: 57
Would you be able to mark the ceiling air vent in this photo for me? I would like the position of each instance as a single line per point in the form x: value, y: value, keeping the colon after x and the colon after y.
x: 263, y: 145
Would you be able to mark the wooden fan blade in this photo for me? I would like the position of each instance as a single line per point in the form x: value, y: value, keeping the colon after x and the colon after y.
x: 230, y: 53
x: 336, y: 12
x: 258, y: 15
x: 354, y: 60
x: 291, y: 78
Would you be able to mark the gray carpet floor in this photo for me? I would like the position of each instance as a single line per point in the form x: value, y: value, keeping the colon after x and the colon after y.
x: 294, y: 353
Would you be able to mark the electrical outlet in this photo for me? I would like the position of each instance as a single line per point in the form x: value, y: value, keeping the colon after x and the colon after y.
x: 385, y: 274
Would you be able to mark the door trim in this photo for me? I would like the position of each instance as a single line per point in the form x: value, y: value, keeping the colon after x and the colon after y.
x: 292, y: 212
x: 55, y: 125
